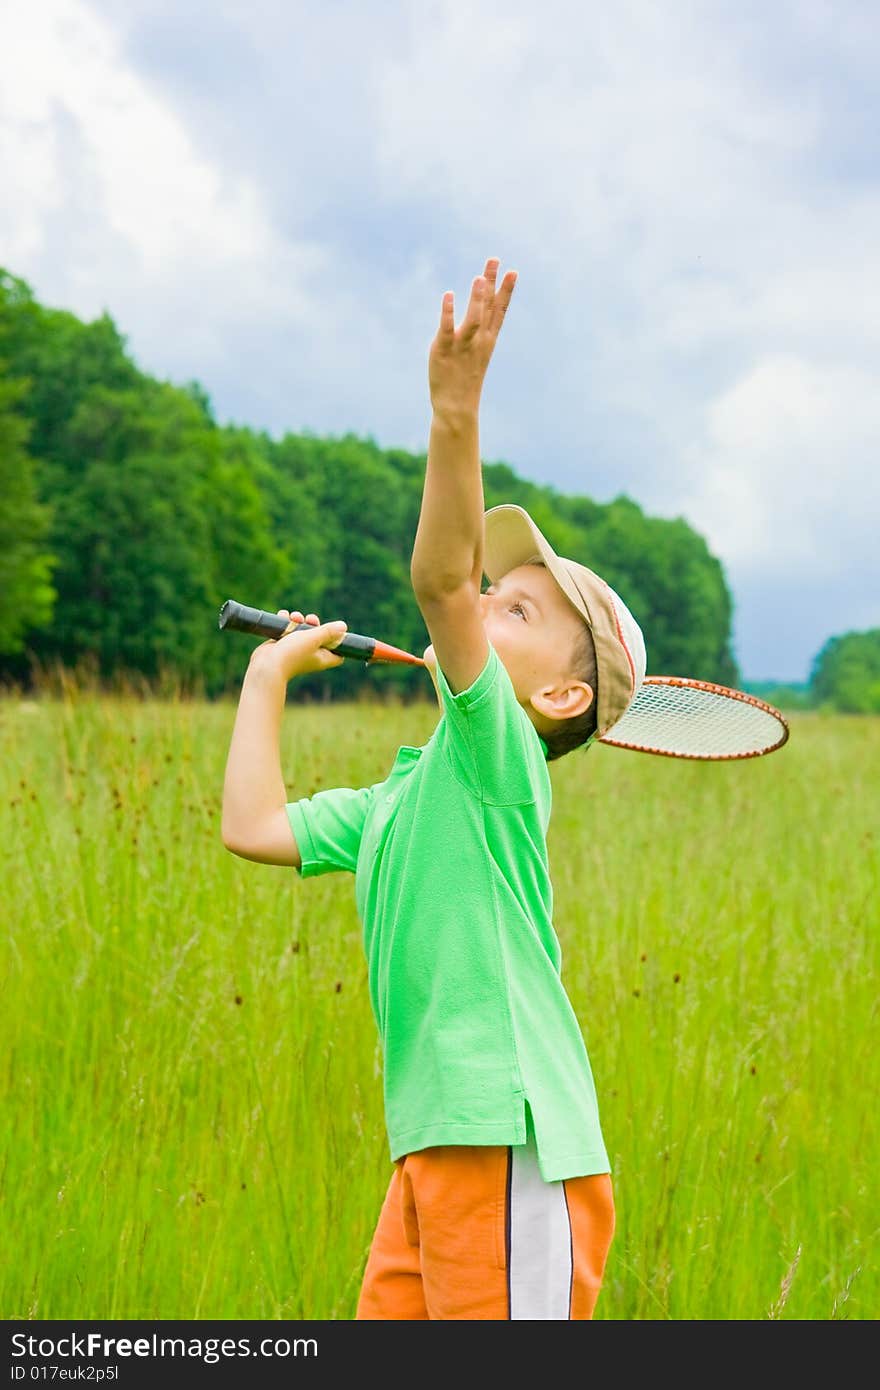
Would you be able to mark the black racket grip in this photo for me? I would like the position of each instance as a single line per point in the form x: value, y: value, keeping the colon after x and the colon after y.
x: 243, y: 619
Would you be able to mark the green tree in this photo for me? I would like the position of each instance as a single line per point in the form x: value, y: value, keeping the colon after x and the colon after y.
x: 27, y: 596
x: 63, y: 358
x: 160, y: 522
x: 846, y: 673
x: 348, y: 513
x: 154, y: 515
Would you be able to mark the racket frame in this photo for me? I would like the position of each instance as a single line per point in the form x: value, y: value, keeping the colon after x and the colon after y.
x: 686, y: 682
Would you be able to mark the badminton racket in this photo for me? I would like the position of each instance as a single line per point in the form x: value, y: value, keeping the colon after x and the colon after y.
x: 683, y: 718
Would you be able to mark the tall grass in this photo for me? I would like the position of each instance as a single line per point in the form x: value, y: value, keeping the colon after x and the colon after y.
x: 192, y: 1118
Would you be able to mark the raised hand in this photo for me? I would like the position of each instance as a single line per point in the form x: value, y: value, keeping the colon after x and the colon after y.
x: 459, y: 357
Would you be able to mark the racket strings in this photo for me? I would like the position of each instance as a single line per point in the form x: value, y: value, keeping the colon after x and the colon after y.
x: 687, y: 721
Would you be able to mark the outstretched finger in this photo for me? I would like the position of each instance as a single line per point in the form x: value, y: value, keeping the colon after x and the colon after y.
x: 447, y: 314
x: 502, y: 300
x: 474, y: 316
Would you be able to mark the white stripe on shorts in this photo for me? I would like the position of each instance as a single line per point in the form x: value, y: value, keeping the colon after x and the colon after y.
x: 539, y: 1270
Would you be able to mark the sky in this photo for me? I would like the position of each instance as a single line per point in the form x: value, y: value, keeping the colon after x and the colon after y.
x: 271, y: 197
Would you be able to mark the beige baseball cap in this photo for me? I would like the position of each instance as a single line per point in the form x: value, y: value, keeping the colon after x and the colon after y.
x: 512, y: 539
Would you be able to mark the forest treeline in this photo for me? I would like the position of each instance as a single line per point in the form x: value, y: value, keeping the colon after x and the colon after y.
x: 129, y: 515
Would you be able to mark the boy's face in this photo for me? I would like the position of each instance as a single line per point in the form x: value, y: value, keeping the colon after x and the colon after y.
x: 533, y: 627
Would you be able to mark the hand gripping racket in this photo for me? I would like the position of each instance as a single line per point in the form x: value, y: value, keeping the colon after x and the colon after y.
x: 240, y: 618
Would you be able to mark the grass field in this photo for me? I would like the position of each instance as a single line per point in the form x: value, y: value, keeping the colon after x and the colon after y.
x: 192, y: 1110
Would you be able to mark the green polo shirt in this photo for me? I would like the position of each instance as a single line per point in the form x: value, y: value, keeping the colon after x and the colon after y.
x: 453, y: 890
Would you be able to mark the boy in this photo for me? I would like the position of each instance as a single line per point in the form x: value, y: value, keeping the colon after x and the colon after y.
x: 500, y: 1205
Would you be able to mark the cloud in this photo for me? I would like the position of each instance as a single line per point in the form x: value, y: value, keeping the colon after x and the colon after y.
x: 107, y: 196
x: 770, y: 492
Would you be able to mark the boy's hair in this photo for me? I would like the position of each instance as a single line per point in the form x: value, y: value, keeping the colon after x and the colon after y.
x: 569, y: 734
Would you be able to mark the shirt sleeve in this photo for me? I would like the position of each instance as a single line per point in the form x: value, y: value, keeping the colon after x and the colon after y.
x: 491, y: 744
x: 328, y: 828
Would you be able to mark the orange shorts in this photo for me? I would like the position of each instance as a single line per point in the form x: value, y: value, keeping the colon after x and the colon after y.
x: 473, y: 1232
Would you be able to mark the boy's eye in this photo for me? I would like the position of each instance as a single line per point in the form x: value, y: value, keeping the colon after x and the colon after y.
x: 514, y: 607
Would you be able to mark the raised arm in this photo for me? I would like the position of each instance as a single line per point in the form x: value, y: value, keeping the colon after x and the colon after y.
x: 448, y: 548
x: 254, y: 821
